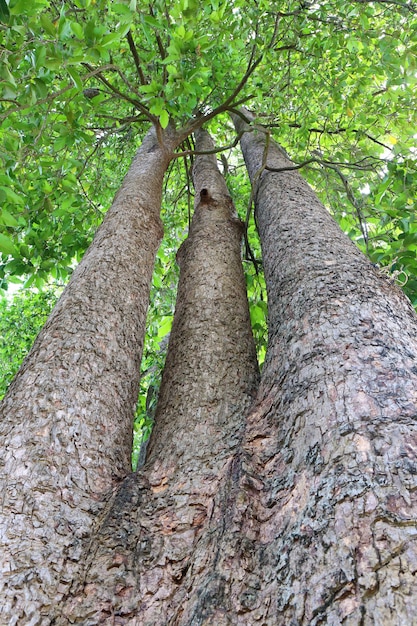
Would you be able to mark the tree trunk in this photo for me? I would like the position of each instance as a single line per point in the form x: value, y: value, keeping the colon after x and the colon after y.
x: 332, y: 440
x: 66, y: 422
x: 302, y: 512
x: 147, y: 549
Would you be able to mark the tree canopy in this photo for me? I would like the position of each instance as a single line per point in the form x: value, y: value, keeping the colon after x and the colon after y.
x: 81, y: 80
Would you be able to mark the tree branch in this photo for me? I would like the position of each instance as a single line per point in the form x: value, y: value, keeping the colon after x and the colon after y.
x: 186, y: 153
x: 409, y: 7
x: 136, y: 58
x: 330, y: 132
x: 351, y: 197
x: 121, y: 95
x: 320, y: 161
x: 160, y: 45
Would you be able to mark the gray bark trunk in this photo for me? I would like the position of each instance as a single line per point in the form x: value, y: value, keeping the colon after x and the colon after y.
x: 149, y: 546
x: 66, y: 422
x: 333, y: 438
x: 298, y: 511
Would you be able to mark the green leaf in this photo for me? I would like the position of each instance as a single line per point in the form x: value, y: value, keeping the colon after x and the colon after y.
x: 108, y: 40
x: 165, y: 327
x: 8, y: 219
x: 47, y: 24
x: 6, y: 245
x: 4, y: 12
x: 77, y: 29
x: 122, y: 10
x: 12, y: 196
x: 164, y: 118
x: 75, y: 77
x: 157, y: 106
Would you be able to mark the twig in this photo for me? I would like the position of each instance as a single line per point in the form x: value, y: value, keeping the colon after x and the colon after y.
x: 90, y: 202
x: 298, y: 166
x: 160, y: 45
x: 136, y: 58
x: 256, y: 179
x: 354, y: 203
x: 121, y: 95
x: 222, y: 108
x: 410, y: 7
x: 191, y: 152
x: 334, y: 132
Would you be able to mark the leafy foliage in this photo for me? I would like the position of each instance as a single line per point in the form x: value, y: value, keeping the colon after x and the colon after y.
x: 20, y: 321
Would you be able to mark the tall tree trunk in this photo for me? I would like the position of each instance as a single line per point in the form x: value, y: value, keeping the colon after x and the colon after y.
x: 333, y: 438
x: 66, y: 422
x: 147, y: 549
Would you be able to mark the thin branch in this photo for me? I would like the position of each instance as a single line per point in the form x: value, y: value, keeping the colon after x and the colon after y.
x: 136, y: 58
x: 121, y: 95
x: 410, y: 7
x: 187, y: 174
x: 351, y: 197
x: 230, y: 103
x: 335, y: 167
x: 203, y: 119
x: 324, y: 162
x: 254, y: 188
x: 333, y: 132
x: 161, y: 48
x: 129, y: 119
x: 90, y: 202
x: 275, y: 33
x: 92, y: 153
x: 239, y: 87
x: 374, y: 140
x: 248, y: 120
x: 191, y: 152
x: 51, y: 97
x: 23, y: 107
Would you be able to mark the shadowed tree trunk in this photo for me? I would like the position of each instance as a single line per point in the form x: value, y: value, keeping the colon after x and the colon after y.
x: 66, y: 422
x: 144, y: 554
x: 332, y: 441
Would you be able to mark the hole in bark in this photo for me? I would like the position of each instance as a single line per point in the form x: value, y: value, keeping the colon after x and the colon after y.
x: 204, y: 195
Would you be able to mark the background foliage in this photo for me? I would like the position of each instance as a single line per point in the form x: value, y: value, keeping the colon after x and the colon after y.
x: 81, y: 80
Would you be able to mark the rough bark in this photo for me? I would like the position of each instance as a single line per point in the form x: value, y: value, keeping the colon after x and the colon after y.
x: 331, y: 511
x: 66, y: 422
x: 147, y: 549
x: 300, y: 511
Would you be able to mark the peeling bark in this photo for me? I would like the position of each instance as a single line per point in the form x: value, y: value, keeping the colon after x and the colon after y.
x: 147, y: 548
x: 66, y: 422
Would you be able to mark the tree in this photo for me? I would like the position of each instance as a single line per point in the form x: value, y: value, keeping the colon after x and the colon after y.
x: 21, y: 319
x: 297, y: 510
x: 330, y: 439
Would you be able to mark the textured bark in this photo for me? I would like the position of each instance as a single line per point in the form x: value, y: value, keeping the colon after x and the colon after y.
x: 300, y: 510
x: 331, y: 511
x: 148, y: 546
x: 66, y: 422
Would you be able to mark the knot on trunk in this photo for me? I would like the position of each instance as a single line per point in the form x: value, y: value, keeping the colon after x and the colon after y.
x: 205, y: 196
